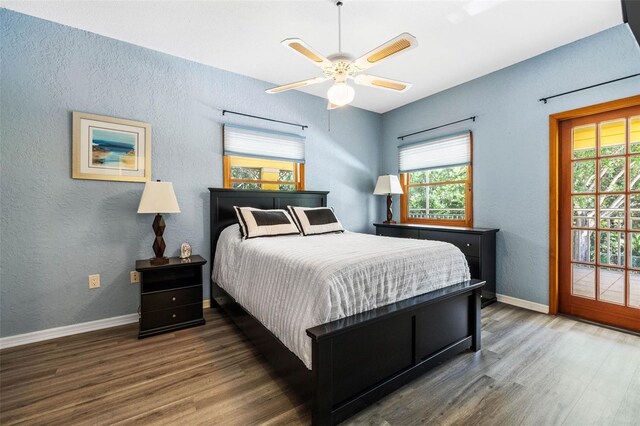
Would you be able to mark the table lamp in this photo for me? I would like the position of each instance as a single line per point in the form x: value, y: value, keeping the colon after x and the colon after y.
x: 388, y: 185
x: 158, y: 197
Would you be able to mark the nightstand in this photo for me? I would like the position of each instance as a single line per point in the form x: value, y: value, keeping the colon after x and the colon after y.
x: 170, y: 295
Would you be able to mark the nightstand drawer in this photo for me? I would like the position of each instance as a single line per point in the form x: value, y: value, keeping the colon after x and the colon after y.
x: 469, y: 244
x: 168, y: 317
x: 171, y: 298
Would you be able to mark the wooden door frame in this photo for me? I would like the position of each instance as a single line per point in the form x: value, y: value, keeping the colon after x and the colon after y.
x: 554, y: 182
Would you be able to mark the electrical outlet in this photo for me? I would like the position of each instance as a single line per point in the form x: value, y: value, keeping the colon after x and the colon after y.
x: 94, y: 281
x: 135, y: 277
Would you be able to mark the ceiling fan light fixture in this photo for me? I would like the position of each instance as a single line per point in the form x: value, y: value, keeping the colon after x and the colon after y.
x: 341, y: 94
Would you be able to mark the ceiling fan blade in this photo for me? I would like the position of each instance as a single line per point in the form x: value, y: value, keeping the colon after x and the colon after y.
x: 332, y: 106
x: 382, y: 83
x: 307, y: 51
x: 396, y: 45
x: 297, y: 84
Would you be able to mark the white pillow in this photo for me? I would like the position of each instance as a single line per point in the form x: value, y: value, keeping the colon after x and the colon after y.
x: 264, y: 223
x: 316, y: 220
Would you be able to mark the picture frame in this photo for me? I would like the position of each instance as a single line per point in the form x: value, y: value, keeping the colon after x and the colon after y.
x: 109, y: 148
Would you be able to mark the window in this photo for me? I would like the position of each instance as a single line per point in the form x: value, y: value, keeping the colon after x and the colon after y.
x: 262, y: 159
x: 436, y: 179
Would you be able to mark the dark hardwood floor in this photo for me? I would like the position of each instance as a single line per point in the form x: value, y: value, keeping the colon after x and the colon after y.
x: 533, y: 369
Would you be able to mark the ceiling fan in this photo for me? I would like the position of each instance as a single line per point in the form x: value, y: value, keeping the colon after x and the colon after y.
x: 341, y: 67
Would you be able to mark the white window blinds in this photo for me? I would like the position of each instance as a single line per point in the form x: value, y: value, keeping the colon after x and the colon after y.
x: 272, y: 145
x: 452, y: 150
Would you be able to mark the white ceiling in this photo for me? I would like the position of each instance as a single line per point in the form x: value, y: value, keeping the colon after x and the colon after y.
x: 458, y: 40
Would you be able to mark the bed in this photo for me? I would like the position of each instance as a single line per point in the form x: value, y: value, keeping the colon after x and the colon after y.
x: 358, y: 358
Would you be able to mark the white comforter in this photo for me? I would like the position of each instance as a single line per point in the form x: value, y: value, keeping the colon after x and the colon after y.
x: 291, y: 283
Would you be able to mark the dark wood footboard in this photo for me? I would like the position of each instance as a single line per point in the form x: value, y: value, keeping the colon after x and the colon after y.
x: 359, y: 359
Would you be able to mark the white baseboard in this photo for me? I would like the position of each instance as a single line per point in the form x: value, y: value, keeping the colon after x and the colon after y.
x: 538, y: 307
x: 68, y: 330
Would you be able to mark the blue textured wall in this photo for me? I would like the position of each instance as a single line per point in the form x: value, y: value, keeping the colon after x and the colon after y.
x: 511, y: 142
x: 56, y: 230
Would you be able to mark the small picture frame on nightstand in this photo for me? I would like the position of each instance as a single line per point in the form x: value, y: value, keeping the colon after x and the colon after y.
x: 185, y: 250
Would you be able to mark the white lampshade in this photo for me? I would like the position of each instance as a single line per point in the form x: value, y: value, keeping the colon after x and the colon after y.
x: 388, y: 184
x: 341, y: 94
x: 158, y: 197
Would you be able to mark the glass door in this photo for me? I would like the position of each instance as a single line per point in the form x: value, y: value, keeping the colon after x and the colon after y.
x: 600, y: 218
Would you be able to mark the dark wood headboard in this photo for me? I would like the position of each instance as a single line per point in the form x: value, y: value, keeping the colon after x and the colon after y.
x: 223, y: 200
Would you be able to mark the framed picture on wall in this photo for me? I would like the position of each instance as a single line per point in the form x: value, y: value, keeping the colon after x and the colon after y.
x: 108, y: 148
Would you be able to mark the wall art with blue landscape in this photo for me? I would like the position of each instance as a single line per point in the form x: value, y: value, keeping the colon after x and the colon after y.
x: 113, y: 149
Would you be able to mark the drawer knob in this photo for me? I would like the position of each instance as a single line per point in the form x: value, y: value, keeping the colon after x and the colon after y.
x: 173, y: 298
x: 468, y: 245
x: 174, y: 315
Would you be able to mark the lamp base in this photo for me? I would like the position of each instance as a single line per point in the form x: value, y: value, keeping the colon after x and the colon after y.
x: 159, y: 260
x: 389, y: 222
x: 389, y: 210
x: 158, y: 244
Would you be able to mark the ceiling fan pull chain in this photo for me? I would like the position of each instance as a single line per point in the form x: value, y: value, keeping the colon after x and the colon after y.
x: 339, y: 3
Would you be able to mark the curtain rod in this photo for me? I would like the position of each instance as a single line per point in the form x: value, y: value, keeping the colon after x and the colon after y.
x: 437, y: 127
x: 302, y: 126
x: 588, y: 87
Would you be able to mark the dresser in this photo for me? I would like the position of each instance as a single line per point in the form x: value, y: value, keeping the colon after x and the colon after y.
x: 170, y: 295
x: 477, y: 244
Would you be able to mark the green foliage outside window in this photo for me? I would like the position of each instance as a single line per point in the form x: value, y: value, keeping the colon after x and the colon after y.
x: 441, y: 201
x: 246, y: 173
x: 612, y: 210
x: 251, y: 173
x: 286, y: 176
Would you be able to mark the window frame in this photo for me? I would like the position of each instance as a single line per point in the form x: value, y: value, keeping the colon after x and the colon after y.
x: 466, y: 222
x: 298, y: 173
